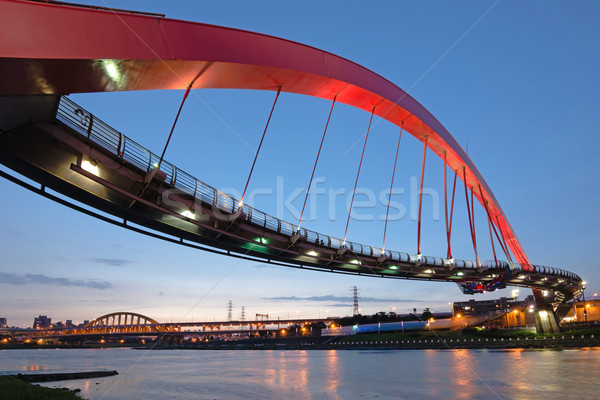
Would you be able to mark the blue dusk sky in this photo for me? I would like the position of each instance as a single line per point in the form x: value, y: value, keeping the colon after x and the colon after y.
x: 515, y: 82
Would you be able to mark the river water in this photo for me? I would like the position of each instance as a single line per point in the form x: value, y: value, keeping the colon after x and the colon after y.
x: 327, y: 374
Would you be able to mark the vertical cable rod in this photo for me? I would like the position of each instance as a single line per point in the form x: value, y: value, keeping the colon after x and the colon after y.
x: 421, y: 196
x: 471, y: 218
x: 316, y: 161
x: 448, y: 220
x: 474, y: 232
x: 387, y: 211
x: 490, y: 223
x: 492, y: 241
x: 187, y: 91
x: 357, y: 174
x: 259, y: 146
x: 504, y: 240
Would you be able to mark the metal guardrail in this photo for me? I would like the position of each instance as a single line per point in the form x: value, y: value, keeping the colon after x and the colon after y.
x: 113, y: 141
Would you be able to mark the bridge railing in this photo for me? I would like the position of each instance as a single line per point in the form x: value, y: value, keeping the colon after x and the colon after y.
x: 113, y: 141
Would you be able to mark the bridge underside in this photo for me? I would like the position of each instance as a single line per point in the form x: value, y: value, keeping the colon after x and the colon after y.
x: 62, y: 149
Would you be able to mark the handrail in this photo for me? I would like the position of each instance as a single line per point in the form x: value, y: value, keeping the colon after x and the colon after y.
x: 113, y: 141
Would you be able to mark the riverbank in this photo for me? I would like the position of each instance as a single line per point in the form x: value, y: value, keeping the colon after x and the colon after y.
x: 466, y: 339
x: 16, y: 389
x: 469, y: 338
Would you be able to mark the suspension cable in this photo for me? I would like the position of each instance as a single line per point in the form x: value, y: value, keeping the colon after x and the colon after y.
x: 448, y: 222
x: 187, y: 91
x: 259, y: 146
x: 487, y: 210
x: 446, y: 202
x: 421, y: 196
x: 502, y: 245
x: 519, y: 252
x: 357, y: 174
x: 474, y: 232
x: 471, y: 218
x: 449, y: 255
x: 316, y: 161
x: 492, y: 241
x: 504, y: 240
x: 504, y: 249
x: 387, y: 211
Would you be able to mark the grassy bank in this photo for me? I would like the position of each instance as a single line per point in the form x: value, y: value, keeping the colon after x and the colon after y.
x: 469, y: 333
x: 16, y: 389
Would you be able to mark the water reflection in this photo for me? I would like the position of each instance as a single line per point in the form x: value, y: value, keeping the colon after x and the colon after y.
x: 332, y: 360
x: 464, y: 374
x: 302, y: 371
x: 285, y: 371
x: 240, y: 375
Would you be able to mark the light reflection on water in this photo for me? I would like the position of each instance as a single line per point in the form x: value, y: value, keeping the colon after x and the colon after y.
x: 329, y: 374
x: 333, y: 373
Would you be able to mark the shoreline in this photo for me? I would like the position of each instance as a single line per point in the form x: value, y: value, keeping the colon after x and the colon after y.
x: 441, y: 340
x: 318, y: 343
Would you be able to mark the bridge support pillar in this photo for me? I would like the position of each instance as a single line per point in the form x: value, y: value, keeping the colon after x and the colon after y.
x: 546, y: 321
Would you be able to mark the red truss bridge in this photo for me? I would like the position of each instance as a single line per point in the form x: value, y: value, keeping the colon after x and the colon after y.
x: 53, y: 49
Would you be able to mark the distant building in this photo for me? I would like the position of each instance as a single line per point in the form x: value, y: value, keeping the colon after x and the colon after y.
x: 42, y: 322
x: 488, y: 308
x: 3, y: 323
x: 583, y: 311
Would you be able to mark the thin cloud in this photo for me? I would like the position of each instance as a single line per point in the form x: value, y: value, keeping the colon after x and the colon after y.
x: 115, y: 262
x: 341, y: 305
x: 27, y: 279
x: 331, y: 297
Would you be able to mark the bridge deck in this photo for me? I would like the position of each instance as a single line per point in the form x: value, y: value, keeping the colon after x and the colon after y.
x: 56, y: 143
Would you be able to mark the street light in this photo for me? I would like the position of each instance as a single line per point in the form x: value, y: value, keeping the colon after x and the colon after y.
x: 585, y: 317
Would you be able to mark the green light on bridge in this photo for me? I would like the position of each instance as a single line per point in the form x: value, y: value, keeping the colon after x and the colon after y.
x: 262, y: 240
x: 255, y: 247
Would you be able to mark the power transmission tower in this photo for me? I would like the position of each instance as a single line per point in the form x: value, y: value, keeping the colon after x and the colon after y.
x: 243, y: 316
x: 355, y: 310
x: 229, y: 311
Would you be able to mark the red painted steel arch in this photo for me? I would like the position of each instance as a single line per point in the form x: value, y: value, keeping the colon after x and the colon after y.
x: 53, y: 48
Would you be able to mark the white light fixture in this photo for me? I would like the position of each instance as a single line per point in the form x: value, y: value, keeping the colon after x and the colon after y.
x: 111, y: 69
x: 354, y: 262
x: 188, y: 214
x: 312, y: 253
x: 90, y: 167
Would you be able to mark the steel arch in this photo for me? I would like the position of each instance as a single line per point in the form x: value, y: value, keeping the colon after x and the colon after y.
x: 105, y: 320
x: 57, y: 48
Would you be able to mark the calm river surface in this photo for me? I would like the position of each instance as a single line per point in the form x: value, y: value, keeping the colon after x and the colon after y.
x: 328, y: 374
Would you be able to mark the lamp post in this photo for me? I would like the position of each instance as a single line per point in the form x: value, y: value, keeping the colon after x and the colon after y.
x: 584, y: 307
x: 585, y: 318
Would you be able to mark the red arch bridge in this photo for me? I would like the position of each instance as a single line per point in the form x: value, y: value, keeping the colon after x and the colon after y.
x: 51, y: 140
